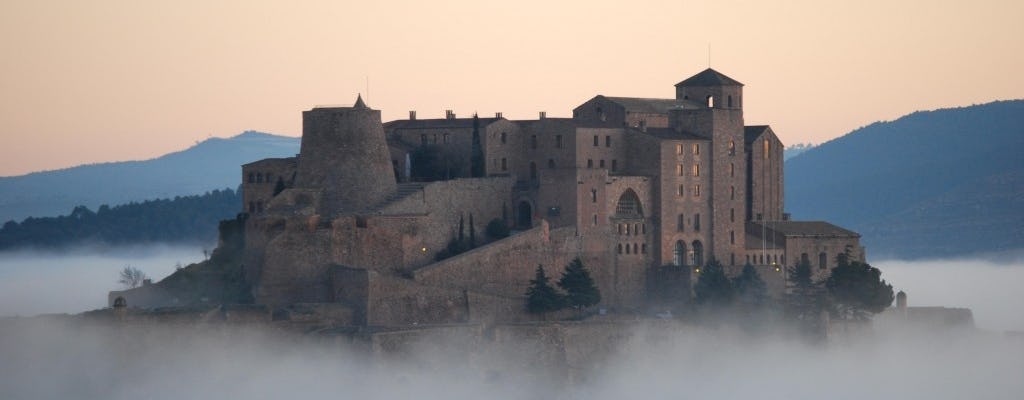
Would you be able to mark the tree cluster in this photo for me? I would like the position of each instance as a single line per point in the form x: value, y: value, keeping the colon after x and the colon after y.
x: 183, y: 219
x: 580, y: 290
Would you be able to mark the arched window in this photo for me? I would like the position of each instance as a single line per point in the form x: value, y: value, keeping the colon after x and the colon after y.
x: 711, y: 101
x: 620, y: 248
x: 822, y: 261
x: 679, y: 253
x: 629, y: 206
x: 698, y: 253
x: 732, y: 147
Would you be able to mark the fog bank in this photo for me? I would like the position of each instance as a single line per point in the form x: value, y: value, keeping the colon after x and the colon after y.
x: 991, y: 288
x: 36, y: 282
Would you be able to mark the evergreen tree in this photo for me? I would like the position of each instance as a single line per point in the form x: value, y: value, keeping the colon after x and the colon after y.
x: 805, y: 301
x: 472, y: 233
x: 713, y: 288
x: 476, y: 163
x: 751, y: 291
x: 541, y: 297
x: 580, y: 290
x: 857, y: 290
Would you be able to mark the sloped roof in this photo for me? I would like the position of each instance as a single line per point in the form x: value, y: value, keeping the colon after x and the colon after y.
x: 438, y: 123
x: 651, y: 106
x: 807, y: 228
x: 751, y: 133
x: 709, y: 77
x: 669, y: 133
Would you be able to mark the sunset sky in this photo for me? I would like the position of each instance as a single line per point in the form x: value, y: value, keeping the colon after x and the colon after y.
x: 96, y: 81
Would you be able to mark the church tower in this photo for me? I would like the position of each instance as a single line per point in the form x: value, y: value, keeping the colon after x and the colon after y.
x: 720, y: 119
x: 344, y: 155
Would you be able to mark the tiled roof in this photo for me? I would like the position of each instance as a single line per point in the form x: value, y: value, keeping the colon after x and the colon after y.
x: 807, y: 228
x: 709, y: 77
x: 751, y: 133
x: 438, y: 123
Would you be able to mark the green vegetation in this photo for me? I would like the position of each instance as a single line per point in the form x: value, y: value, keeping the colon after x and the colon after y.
x: 221, y: 279
x: 857, y: 290
x: 580, y: 290
x: 541, y: 297
x: 713, y: 289
x: 184, y: 219
x: 579, y: 287
x: 131, y: 277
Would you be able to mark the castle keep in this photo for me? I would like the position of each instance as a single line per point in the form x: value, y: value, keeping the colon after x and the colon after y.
x: 644, y: 191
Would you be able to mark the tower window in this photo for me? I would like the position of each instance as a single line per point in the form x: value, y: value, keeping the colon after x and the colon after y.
x: 732, y: 193
x: 597, y: 140
x: 732, y: 147
x: 607, y: 141
x: 601, y: 163
x: 729, y: 101
x: 696, y: 169
x: 504, y: 138
x: 696, y: 149
x: 679, y: 149
x: 711, y: 101
x: 504, y: 164
x: 590, y: 163
x: 767, y: 147
x: 682, y: 189
x: 679, y: 169
x: 696, y: 190
x: 732, y: 215
x: 732, y: 170
x: 696, y: 222
x: 593, y: 195
x: 558, y: 141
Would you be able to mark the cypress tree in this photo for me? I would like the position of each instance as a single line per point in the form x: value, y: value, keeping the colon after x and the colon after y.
x: 476, y: 162
x: 713, y: 288
x: 541, y: 297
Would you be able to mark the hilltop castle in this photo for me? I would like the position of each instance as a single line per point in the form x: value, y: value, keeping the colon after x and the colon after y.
x: 644, y: 191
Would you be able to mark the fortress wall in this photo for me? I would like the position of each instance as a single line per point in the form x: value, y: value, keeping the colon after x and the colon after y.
x: 587, y: 151
x: 630, y: 268
x: 447, y: 201
x: 294, y: 268
x: 556, y: 197
x: 495, y: 150
x: 504, y: 267
x: 395, y: 301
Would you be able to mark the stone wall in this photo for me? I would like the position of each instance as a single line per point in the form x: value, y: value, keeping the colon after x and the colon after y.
x: 260, y: 178
x: 765, y: 184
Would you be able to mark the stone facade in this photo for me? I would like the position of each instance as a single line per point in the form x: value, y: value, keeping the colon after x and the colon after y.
x: 643, y: 191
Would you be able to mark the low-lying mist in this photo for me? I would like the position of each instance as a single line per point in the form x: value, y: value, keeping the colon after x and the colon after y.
x: 37, y: 282
x: 42, y: 359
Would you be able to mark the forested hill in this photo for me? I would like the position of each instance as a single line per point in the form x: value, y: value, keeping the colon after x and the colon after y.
x: 211, y: 164
x: 938, y: 183
x: 183, y: 220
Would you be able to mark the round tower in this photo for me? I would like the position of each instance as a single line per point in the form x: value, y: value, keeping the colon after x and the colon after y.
x: 345, y: 156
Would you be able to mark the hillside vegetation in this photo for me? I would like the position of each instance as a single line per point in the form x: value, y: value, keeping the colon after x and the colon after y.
x: 183, y: 219
x: 938, y: 183
x: 211, y: 164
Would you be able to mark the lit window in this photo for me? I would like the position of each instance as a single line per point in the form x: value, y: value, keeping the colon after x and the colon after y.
x: 696, y: 169
x: 767, y: 147
x: 679, y: 149
x: 696, y: 149
x: 679, y: 169
x: 696, y: 190
x: 732, y: 147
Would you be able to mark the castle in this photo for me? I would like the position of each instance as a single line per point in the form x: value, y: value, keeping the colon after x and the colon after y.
x: 644, y: 191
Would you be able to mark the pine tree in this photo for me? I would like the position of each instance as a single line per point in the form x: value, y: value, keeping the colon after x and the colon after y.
x: 751, y: 291
x: 857, y: 290
x: 713, y: 288
x: 805, y: 301
x: 580, y: 290
x: 541, y: 297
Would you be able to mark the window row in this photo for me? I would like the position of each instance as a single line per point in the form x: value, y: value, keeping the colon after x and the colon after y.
x: 681, y: 222
x: 695, y: 191
x: 260, y: 177
x: 445, y: 138
x: 615, y: 164
x: 762, y: 259
x: 607, y: 141
x: 625, y: 248
x: 632, y: 229
x: 533, y: 141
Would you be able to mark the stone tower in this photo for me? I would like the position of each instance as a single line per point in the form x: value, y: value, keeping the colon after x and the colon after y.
x: 344, y: 155
x: 721, y: 120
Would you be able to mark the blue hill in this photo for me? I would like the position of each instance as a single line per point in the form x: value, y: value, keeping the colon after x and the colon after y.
x: 211, y: 164
x: 938, y: 183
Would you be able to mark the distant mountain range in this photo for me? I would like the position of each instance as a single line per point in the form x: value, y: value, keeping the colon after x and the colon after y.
x: 795, y: 150
x: 944, y: 183
x: 211, y: 164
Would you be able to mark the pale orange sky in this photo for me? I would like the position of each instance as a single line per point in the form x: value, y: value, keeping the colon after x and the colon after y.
x: 95, y: 81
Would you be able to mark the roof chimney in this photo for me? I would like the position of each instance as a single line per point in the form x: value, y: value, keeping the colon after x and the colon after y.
x: 543, y: 114
x: 449, y: 114
x: 498, y: 115
x: 412, y: 115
